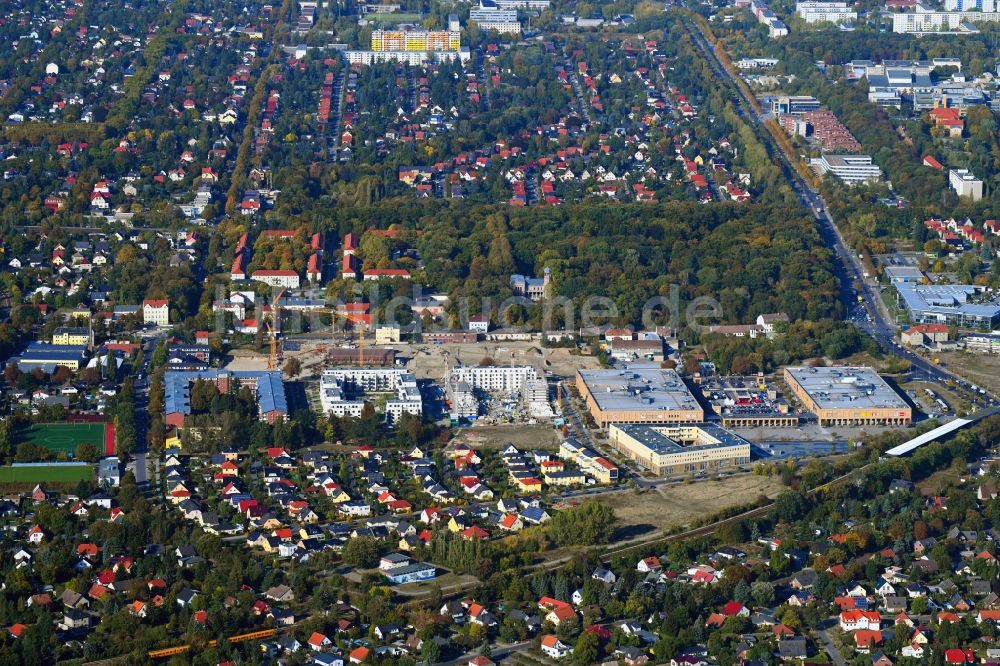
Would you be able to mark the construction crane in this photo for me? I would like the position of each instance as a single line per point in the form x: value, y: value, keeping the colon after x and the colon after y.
x: 360, y: 326
x: 275, y: 329
x: 272, y: 357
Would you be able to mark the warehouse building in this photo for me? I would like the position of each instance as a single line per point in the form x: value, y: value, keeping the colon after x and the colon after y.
x: 638, y: 394
x: 847, y: 396
x: 680, y: 449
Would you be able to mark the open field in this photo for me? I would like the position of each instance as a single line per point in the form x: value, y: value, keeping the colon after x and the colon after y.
x: 445, y: 582
x: 673, y: 505
x: 29, y: 476
x: 522, y: 435
x: 938, y: 480
x: 432, y: 361
x: 64, y: 437
x: 981, y: 369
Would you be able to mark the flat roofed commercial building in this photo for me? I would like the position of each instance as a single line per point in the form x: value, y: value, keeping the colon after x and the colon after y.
x: 949, y: 304
x: 847, y: 396
x: 904, y: 274
x: 852, y: 169
x: 638, y: 395
x: 681, y: 448
x: 794, y: 104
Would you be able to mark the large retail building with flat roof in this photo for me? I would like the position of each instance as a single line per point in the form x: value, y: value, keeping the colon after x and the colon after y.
x: 847, y: 396
x: 639, y: 393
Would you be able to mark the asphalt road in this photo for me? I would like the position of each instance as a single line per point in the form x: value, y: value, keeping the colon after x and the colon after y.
x: 140, y: 456
x: 499, y: 652
x: 877, y: 323
x: 830, y: 647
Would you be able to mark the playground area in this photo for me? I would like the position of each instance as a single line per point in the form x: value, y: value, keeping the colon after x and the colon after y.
x: 66, y: 437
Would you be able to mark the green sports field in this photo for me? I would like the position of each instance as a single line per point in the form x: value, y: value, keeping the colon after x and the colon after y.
x: 64, y: 437
x: 45, y: 474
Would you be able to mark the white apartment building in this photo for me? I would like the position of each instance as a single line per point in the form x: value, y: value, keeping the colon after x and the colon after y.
x: 965, y: 184
x: 156, y: 312
x: 463, y: 401
x: 284, y: 279
x: 409, y: 57
x: 501, y: 26
x: 852, y: 169
x: 495, y: 377
x: 487, y: 16
x: 341, y: 391
x: 333, y: 400
x: 523, y: 4
x: 924, y: 21
x: 812, y: 11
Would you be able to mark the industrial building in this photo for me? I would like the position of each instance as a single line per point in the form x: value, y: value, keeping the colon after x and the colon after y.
x: 680, y: 449
x: 847, y: 396
x: 648, y: 349
x: 361, y: 356
x: 638, y: 394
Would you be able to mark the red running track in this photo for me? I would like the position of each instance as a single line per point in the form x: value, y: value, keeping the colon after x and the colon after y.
x: 109, y: 439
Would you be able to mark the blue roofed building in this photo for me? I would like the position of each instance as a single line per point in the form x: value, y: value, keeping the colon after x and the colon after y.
x: 47, y: 357
x: 272, y: 403
x: 410, y: 573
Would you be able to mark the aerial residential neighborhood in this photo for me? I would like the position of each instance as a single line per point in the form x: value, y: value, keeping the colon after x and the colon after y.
x: 524, y: 332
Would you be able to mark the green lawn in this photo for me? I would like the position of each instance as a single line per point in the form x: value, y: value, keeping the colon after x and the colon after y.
x: 46, y: 474
x: 65, y: 437
x: 394, y: 18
